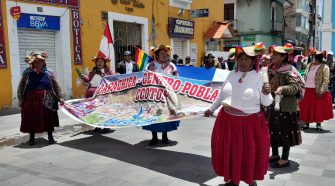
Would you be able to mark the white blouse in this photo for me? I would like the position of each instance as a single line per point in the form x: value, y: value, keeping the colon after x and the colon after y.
x: 245, y: 96
x: 95, y: 82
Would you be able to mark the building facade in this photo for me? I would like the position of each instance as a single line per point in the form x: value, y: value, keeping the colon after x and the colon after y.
x: 70, y: 31
x: 303, y: 23
x: 263, y: 22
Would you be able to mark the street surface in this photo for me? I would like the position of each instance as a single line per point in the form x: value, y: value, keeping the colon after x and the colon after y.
x: 122, y: 157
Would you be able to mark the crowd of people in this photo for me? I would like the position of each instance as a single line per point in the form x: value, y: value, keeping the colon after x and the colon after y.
x: 259, y: 109
x: 262, y: 109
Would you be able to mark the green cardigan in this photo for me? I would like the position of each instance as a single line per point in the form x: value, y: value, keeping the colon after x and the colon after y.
x: 290, y: 88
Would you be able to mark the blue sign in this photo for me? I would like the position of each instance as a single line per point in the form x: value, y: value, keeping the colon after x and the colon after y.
x: 41, y: 22
x: 200, y: 13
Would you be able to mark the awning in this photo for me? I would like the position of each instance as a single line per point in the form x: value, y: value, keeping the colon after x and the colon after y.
x: 220, y: 30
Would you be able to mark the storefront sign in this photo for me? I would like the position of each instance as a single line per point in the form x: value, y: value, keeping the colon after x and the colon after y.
x: 76, y: 36
x: 2, y: 43
x: 41, y: 22
x: 69, y: 3
x: 181, y: 28
x: 15, y: 12
x: 200, y: 13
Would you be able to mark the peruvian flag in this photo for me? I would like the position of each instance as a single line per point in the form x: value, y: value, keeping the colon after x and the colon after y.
x: 106, y: 43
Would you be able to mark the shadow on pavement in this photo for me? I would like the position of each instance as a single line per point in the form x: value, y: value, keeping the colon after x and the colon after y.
x: 39, y: 143
x: 185, y: 166
x: 294, y: 166
x: 145, y: 144
x: 92, y: 132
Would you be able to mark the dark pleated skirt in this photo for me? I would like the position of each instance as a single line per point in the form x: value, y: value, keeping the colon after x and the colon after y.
x: 284, y: 128
x: 35, y: 118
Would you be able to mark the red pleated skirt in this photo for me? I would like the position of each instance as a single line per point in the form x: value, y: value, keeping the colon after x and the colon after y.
x: 240, y: 147
x: 35, y: 118
x: 315, y: 109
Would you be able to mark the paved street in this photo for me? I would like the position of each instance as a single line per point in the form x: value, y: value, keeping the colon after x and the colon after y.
x: 122, y: 157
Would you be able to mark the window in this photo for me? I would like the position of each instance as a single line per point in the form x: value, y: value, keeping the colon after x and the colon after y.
x: 300, y: 4
x: 298, y: 19
x: 229, y: 11
x: 303, y: 21
x: 212, y: 45
x: 126, y: 36
x: 304, y: 5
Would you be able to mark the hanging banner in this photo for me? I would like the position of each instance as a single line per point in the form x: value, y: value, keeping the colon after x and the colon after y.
x: 76, y: 37
x: 3, y: 63
x: 143, y: 98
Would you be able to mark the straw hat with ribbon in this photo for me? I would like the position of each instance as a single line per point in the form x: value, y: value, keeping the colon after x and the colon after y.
x: 314, y: 51
x: 162, y: 47
x: 34, y: 56
x: 96, y: 58
x: 253, y: 51
x: 286, y: 49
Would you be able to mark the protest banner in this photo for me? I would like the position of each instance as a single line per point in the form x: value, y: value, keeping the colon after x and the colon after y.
x: 143, y: 98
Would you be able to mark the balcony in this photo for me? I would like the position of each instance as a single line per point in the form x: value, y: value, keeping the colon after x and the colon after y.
x: 276, y: 27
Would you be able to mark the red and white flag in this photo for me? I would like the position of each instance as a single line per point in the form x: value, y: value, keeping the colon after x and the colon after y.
x: 106, y: 43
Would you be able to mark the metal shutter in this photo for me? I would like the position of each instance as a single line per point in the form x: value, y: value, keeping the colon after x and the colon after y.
x: 37, y: 40
x: 178, y: 48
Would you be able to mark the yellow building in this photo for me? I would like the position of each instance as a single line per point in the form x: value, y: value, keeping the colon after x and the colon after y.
x: 54, y: 27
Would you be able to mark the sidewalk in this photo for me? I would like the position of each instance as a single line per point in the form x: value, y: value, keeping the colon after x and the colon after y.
x: 122, y: 157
